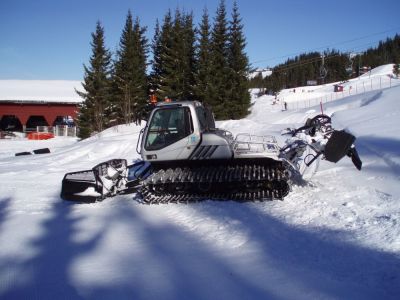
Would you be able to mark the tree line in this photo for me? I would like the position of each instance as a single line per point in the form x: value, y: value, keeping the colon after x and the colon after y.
x: 335, y: 66
x: 206, y: 63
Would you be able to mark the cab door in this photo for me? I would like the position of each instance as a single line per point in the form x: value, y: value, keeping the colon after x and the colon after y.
x: 170, y: 134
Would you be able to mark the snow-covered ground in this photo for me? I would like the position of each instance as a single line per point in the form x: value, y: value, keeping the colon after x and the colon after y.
x: 336, y: 238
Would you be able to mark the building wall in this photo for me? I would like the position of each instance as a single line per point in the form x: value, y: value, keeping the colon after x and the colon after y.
x: 49, y: 111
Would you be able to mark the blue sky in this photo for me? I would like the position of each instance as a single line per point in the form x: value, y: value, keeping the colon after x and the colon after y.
x: 49, y: 39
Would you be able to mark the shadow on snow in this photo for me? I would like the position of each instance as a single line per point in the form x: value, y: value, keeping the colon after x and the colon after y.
x: 163, y: 260
x: 385, y: 148
x: 4, y: 203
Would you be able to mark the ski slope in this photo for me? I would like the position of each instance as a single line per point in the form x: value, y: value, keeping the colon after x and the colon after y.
x: 338, y: 237
x: 305, y: 96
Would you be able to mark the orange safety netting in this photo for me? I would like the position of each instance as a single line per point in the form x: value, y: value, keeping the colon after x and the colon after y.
x: 40, y: 135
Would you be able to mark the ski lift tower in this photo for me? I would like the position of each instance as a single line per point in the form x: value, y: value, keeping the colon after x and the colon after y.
x: 359, y: 69
x: 322, y: 70
x: 352, y: 67
x: 349, y: 67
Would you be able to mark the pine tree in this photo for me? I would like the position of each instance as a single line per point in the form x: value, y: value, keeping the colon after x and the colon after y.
x: 130, y: 72
x: 237, y: 82
x: 85, y: 120
x: 176, y: 57
x: 140, y: 89
x: 219, y: 64
x: 203, y: 75
x: 161, y: 46
x: 156, y: 62
x: 122, y: 76
x: 173, y: 60
x: 190, y: 65
x: 93, y: 111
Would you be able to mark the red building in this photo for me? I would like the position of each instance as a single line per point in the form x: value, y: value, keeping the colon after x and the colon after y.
x: 26, y: 104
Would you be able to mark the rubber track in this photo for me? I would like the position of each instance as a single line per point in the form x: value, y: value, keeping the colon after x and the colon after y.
x: 232, y: 182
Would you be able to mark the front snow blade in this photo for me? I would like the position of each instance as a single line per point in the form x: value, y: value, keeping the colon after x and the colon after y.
x: 104, y: 180
x: 81, y: 186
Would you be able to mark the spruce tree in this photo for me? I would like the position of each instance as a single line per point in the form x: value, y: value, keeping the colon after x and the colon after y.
x: 130, y: 72
x: 173, y: 60
x: 156, y: 62
x: 238, y: 62
x: 162, y: 44
x: 190, y: 65
x: 85, y: 120
x: 203, y: 74
x: 140, y: 89
x: 219, y: 53
x: 176, y: 56
x: 122, y: 73
x: 93, y: 110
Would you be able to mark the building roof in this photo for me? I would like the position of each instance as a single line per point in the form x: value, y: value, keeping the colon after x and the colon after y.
x: 41, y: 91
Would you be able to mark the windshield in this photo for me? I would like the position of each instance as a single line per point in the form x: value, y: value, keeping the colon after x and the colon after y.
x: 167, y: 126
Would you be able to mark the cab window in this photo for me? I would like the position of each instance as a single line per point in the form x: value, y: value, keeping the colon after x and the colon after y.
x: 206, y: 119
x: 167, y: 126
